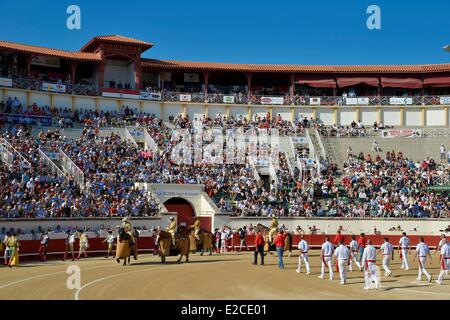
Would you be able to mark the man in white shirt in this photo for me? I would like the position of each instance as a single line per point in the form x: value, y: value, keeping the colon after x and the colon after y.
x: 353, y: 253
x: 303, y: 246
x: 387, y: 250
x: 342, y: 254
x: 445, y: 262
x: 442, y: 153
x: 422, y: 252
x: 370, y: 268
x: 441, y: 244
x: 404, y: 248
x: 326, y: 257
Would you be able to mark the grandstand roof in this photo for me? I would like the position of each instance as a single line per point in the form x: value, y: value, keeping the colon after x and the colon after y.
x: 116, y: 39
x: 73, y: 55
x: 217, y: 66
x: 85, y: 55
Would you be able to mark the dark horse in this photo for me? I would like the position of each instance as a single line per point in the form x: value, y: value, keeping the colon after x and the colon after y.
x: 126, y: 247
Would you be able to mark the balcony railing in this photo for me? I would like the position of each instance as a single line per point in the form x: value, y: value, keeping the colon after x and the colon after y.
x: 252, y: 99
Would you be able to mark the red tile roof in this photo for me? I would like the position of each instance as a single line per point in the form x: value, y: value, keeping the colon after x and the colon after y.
x: 283, y: 68
x: 72, y: 55
x: 116, y: 39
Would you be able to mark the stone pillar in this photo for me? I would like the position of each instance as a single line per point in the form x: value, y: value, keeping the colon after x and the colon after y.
x: 206, y: 78
x: 73, y: 71
x: 137, y: 72
x: 249, y: 85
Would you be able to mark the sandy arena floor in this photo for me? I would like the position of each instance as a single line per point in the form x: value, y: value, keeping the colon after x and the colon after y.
x: 220, y: 276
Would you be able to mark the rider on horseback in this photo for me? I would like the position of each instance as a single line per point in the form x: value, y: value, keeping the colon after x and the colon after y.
x: 196, y: 227
x: 172, y: 229
x: 273, y: 228
x: 126, y: 226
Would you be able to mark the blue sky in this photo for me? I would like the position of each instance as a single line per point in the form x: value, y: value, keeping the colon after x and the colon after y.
x: 301, y: 32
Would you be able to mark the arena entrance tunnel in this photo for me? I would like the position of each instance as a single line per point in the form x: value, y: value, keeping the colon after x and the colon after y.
x: 186, y: 213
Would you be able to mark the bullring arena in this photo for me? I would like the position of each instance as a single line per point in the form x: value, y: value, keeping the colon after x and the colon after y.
x: 109, y: 148
x: 221, y: 276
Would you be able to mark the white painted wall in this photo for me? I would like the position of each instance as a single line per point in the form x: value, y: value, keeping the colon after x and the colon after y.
x: 172, y: 109
x: 119, y: 71
x: 391, y: 116
x: 413, y: 117
x: 20, y: 94
x: 259, y: 111
x: 435, y: 117
x: 214, y: 110
x: 356, y: 226
x: 368, y: 116
x: 152, y: 107
x: 284, y: 112
x: 41, y: 99
x: 62, y: 101
x: 85, y: 103
x: 195, y: 111
x: 326, y: 116
x: 108, y: 105
x: 346, y: 116
x: 302, y: 112
x: 236, y: 111
x: 93, y: 224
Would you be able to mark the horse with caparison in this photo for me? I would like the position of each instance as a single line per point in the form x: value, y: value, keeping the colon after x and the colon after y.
x: 182, y: 243
x: 205, y: 243
x: 125, y: 248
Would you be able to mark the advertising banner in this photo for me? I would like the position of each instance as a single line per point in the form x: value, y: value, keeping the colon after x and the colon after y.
x: 6, y: 82
x: 228, y: 99
x: 272, y: 100
x: 120, y: 93
x: 150, y: 95
x: 400, y: 101
x: 406, y: 133
x: 357, y: 101
x: 52, y: 87
x: 22, y: 119
x: 314, y: 101
x: 444, y: 100
x: 185, y: 98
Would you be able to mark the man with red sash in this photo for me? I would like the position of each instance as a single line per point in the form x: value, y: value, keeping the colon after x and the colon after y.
x: 369, y: 258
x: 326, y: 257
x: 445, y: 262
x: 422, y: 252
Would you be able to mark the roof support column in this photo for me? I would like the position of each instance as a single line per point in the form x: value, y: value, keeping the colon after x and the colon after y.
x: 162, y: 74
x: 249, y: 86
x: 291, y: 88
x: 29, y: 58
x: 137, y: 72
x: 73, y: 71
x: 206, y: 78
x: 101, y: 74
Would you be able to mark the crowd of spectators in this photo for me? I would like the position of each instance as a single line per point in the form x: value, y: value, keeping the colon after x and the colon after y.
x: 390, y: 187
x: 393, y: 186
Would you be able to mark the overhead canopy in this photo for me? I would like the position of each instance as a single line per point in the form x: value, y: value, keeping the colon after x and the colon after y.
x: 407, y: 83
x: 443, y: 81
x: 352, y: 81
x: 316, y: 82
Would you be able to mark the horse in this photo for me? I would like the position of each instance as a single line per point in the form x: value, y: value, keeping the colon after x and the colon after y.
x: 164, y: 243
x: 205, y: 243
x: 268, y: 247
x: 124, y: 248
